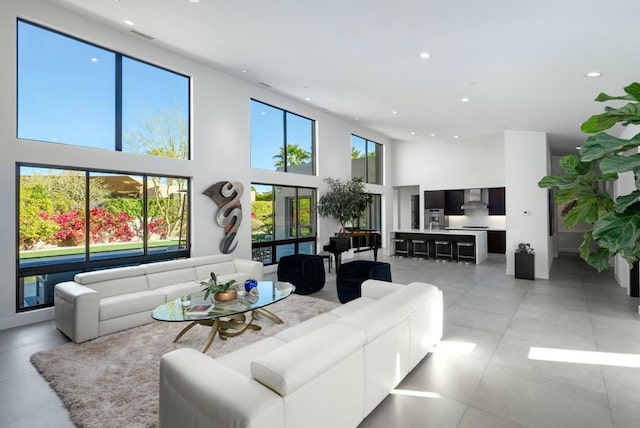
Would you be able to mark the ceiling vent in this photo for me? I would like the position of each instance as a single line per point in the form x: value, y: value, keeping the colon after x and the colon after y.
x: 144, y: 36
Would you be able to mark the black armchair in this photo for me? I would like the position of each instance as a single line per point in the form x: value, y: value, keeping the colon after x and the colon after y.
x: 351, y: 275
x: 305, y: 271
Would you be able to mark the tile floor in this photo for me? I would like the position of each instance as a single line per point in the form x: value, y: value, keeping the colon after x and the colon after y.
x: 489, y: 382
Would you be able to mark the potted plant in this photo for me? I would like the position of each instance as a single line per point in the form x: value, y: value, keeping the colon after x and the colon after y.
x: 344, y: 201
x: 615, y: 222
x: 220, y: 292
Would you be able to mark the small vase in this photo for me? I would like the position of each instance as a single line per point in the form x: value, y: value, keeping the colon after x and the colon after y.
x: 225, y: 297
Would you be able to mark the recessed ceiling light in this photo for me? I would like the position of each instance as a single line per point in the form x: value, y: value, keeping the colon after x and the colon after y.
x: 129, y: 23
x: 394, y: 112
x: 194, y: 1
x: 412, y: 133
x: 456, y: 137
x: 424, y: 55
x: 356, y: 118
x: 593, y: 74
x: 307, y: 98
x: 433, y: 135
x: 244, y: 70
x: 465, y: 100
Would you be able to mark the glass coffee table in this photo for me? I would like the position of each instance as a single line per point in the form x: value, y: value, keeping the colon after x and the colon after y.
x: 226, y: 319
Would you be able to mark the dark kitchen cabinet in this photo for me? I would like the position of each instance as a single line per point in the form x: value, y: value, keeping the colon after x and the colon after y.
x: 496, y: 201
x: 453, y: 200
x: 496, y: 241
x: 434, y: 199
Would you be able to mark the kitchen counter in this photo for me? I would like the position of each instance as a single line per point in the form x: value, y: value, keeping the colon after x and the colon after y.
x: 479, y: 237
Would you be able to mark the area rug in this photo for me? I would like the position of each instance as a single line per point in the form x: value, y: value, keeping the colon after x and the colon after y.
x: 113, y: 381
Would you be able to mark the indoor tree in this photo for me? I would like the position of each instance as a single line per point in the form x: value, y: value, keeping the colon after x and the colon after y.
x: 344, y: 201
x: 615, y: 222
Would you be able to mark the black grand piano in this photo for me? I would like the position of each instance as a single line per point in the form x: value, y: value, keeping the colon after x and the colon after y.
x: 359, y: 239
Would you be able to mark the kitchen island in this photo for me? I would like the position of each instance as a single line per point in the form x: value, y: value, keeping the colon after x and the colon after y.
x: 478, y: 237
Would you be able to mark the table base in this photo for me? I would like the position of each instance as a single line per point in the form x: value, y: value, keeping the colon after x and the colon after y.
x: 231, y: 326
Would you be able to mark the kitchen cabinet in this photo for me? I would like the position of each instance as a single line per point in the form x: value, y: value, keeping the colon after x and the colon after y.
x: 497, y: 201
x: 496, y: 241
x: 453, y: 200
x: 434, y: 199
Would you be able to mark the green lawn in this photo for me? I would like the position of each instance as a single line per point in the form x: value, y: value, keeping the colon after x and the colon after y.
x: 66, y: 251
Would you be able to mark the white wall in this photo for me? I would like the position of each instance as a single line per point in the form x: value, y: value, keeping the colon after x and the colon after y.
x: 220, y: 142
x: 526, y: 162
x: 460, y: 165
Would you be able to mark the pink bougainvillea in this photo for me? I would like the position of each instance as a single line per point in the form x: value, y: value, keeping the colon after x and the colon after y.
x: 103, y: 227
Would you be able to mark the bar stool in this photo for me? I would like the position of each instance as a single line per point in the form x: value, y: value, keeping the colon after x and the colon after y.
x: 417, y: 252
x: 399, y: 251
x: 467, y: 257
x: 445, y: 244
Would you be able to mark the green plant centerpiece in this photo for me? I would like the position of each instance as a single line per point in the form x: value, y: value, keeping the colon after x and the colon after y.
x: 220, y: 292
x: 344, y: 201
x: 615, y: 221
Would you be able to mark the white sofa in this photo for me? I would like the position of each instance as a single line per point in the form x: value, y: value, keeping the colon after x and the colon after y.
x: 329, y: 371
x: 106, y: 301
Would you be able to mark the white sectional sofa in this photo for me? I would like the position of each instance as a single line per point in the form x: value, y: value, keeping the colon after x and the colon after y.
x: 329, y: 371
x: 106, y: 301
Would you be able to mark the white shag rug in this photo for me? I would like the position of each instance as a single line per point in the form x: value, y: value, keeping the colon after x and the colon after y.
x: 112, y: 381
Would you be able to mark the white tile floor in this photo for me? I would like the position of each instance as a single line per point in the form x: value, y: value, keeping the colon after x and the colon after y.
x: 495, y: 385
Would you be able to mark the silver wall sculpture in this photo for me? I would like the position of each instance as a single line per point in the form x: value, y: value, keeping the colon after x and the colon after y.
x: 227, y: 196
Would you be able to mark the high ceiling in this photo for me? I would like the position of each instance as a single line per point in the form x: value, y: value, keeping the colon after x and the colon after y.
x: 520, y: 63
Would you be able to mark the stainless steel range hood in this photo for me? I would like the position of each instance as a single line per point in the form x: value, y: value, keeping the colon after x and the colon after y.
x: 475, y: 200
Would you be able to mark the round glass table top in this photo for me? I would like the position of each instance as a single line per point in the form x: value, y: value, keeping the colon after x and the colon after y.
x: 194, y: 307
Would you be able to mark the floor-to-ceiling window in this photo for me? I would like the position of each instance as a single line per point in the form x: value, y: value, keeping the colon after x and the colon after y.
x: 72, y: 219
x: 283, y: 221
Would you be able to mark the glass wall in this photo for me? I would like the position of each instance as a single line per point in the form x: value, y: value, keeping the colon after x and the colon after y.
x: 283, y: 221
x: 72, y: 220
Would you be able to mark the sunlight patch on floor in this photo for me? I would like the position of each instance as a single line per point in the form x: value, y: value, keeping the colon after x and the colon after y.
x: 584, y: 357
x: 412, y: 393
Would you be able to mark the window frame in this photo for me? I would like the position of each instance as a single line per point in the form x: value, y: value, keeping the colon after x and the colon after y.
x: 118, y: 95
x: 367, y: 149
x: 88, y: 263
x: 273, y: 244
x: 285, y: 139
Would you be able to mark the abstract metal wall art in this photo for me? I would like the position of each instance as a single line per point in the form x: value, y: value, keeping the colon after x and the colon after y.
x: 227, y: 196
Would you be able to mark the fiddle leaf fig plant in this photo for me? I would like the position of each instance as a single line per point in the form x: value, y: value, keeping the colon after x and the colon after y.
x: 344, y: 201
x: 615, y: 222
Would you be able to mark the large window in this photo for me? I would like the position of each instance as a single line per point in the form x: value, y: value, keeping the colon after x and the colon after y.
x: 366, y: 160
x: 283, y: 221
x: 72, y: 220
x: 371, y: 219
x: 73, y: 92
x: 281, y: 140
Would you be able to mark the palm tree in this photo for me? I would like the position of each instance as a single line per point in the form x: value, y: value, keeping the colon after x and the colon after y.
x: 296, y: 155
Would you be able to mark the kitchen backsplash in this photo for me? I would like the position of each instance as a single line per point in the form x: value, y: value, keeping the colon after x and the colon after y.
x: 477, y: 217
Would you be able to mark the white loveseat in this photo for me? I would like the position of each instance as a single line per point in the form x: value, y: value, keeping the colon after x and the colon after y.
x: 329, y: 371
x: 106, y: 301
